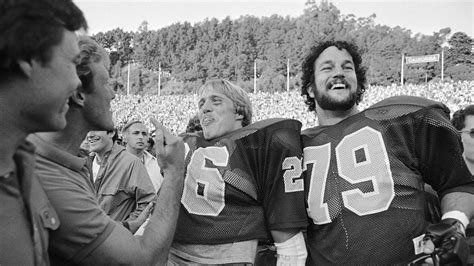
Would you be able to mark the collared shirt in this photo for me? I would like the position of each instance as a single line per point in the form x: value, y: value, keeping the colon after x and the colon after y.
x: 66, y: 181
x: 123, y: 185
x: 26, y: 215
x: 153, y: 169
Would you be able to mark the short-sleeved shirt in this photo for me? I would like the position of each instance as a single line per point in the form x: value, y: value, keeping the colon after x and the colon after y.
x: 123, y: 186
x: 26, y: 215
x: 365, y: 180
x: 242, y: 185
x: 66, y: 181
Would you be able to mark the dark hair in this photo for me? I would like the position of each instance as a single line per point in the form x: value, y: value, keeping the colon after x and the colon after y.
x: 193, y: 125
x: 90, y: 52
x: 30, y: 28
x: 308, y: 79
x: 459, y: 117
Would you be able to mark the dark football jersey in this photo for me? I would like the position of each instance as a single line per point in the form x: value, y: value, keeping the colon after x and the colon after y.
x: 364, y: 180
x: 242, y: 185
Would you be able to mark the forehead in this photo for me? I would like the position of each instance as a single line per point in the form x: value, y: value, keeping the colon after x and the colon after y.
x: 97, y: 133
x: 333, y: 54
x: 138, y: 127
x: 469, y: 122
x: 99, y: 69
x: 211, y: 92
x: 68, y: 47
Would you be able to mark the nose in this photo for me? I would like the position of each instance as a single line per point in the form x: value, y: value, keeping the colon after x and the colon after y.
x: 206, y: 107
x: 111, y: 92
x: 338, y: 71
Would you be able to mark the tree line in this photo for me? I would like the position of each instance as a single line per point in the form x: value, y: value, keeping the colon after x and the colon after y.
x: 186, y: 55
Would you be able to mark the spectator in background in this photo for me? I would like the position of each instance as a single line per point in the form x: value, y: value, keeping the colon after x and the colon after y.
x: 463, y: 120
x: 38, y: 53
x: 87, y: 236
x: 135, y: 136
x: 122, y: 182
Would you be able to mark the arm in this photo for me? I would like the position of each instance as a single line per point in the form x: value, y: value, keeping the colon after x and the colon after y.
x: 448, y: 236
x: 291, y: 247
x: 153, y: 247
x: 458, y: 201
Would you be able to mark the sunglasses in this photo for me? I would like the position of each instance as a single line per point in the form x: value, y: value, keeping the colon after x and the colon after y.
x: 470, y: 132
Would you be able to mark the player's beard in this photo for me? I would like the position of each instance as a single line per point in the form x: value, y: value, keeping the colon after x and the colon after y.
x: 327, y: 103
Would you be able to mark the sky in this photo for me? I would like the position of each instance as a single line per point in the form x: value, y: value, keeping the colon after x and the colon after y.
x: 419, y: 16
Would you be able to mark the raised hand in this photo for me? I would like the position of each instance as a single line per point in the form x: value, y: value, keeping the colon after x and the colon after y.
x: 169, y: 149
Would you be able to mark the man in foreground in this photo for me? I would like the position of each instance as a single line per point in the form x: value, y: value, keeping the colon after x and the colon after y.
x: 38, y: 52
x: 87, y: 235
x: 365, y: 171
x: 243, y: 184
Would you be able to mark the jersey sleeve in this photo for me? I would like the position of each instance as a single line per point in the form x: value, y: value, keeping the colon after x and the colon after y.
x: 440, y: 152
x: 283, y: 191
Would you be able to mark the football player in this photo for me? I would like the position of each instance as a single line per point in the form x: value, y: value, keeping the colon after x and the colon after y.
x: 243, y: 184
x: 365, y: 171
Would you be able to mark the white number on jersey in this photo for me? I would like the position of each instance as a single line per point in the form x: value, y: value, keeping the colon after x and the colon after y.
x: 204, y: 187
x: 292, y: 176
x: 374, y: 166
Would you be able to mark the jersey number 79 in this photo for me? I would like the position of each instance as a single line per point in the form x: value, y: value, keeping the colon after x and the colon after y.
x: 360, y: 157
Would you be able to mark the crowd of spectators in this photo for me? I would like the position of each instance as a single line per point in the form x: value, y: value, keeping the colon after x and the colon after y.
x: 174, y: 111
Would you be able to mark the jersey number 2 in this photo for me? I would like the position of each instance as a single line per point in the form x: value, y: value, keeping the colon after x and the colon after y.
x: 360, y: 157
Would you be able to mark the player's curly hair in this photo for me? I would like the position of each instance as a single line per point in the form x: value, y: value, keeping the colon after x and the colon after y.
x: 307, y: 79
x: 459, y: 117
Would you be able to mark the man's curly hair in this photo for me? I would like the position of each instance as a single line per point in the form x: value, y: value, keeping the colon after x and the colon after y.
x: 307, y: 79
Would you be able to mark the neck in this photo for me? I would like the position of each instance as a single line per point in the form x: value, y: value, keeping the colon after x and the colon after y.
x: 101, y: 154
x: 70, y: 138
x: 11, y: 138
x: 136, y: 152
x: 469, y: 163
x: 328, y: 117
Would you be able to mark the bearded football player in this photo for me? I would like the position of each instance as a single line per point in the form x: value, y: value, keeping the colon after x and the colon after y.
x: 243, y: 184
x: 365, y: 171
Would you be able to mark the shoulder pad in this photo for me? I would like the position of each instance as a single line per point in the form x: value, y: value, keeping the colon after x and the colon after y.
x: 401, y: 105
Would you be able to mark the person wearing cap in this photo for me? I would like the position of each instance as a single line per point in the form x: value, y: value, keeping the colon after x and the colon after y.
x: 136, y: 138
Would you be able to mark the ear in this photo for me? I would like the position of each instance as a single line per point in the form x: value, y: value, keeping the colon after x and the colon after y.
x: 78, y: 97
x: 310, y: 90
x: 26, y: 67
x: 239, y: 116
